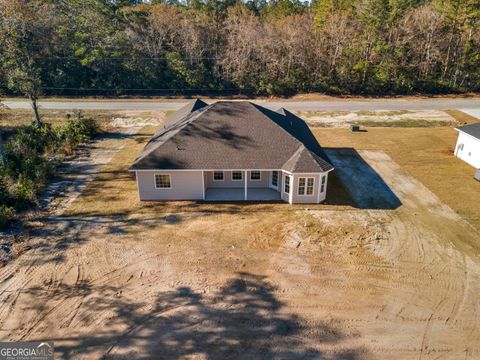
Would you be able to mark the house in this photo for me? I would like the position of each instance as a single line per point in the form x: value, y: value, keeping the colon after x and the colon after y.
x: 232, y: 150
x: 468, y: 144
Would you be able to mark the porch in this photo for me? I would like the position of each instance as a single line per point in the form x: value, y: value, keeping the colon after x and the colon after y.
x: 238, y: 194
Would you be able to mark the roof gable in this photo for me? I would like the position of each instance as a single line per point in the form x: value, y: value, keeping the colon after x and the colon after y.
x: 178, y: 115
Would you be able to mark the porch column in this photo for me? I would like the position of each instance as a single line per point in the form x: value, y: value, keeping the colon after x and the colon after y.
x: 203, y: 184
x: 245, y: 178
x: 290, y: 194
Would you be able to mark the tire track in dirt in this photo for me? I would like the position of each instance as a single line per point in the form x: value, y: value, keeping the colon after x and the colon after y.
x: 421, y: 266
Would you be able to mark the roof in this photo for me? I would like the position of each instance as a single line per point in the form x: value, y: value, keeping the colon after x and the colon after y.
x: 234, y: 135
x: 472, y: 130
x: 184, y: 111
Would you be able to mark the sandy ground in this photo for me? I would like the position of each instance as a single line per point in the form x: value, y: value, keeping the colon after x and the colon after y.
x: 393, y: 277
x: 344, y: 118
x: 74, y: 175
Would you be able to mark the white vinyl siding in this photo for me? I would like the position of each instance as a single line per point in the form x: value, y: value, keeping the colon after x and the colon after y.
x: 185, y: 185
x: 468, y: 149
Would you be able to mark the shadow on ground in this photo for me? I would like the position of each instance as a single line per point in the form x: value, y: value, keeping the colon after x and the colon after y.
x: 367, y: 188
x: 242, y: 320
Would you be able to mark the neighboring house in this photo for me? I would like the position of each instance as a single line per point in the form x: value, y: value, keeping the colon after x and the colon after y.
x: 468, y: 144
x: 232, y: 150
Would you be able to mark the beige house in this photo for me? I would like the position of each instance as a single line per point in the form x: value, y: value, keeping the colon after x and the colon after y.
x: 232, y: 151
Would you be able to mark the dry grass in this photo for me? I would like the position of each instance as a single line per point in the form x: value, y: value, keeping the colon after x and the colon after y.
x: 18, y: 117
x: 11, y: 119
x: 461, y: 117
x: 426, y: 154
x: 381, y: 118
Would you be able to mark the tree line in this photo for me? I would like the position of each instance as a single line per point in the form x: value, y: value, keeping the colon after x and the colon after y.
x: 254, y: 47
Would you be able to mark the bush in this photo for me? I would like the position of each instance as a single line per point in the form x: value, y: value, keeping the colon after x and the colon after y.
x: 77, y: 131
x: 26, y: 154
x: 31, y: 156
x: 6, y: 214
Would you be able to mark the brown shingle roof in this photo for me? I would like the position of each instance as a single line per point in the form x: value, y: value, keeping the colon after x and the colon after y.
x: 233, y: 135
x: 178, y: 115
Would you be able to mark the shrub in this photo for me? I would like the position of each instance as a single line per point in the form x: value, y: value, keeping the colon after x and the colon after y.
x: 26, y: 154
x: 77, y: 131
x: 6, y: 214
x: 31, y: 156
x: 25, y: 191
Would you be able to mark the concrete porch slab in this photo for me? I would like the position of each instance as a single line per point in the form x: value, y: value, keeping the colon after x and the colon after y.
x: 237, y: 194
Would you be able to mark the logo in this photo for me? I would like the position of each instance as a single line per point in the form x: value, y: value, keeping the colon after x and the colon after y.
x: 26, y: 350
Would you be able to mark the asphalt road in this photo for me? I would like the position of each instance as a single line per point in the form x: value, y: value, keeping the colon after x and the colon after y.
x: 328, y: 105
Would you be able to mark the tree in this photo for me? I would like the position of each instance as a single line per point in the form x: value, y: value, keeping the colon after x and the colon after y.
x: 24, y: 33
x: 3, y: 157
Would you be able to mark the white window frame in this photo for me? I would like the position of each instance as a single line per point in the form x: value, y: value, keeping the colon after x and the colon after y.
x: 322, y: 184
x: 241, y: 175
x: 305, y: 186
x: 271, y: 180
x: 287, y: 181
x: 221, y: 172
x: 259, y: 173
x: 162, y: 187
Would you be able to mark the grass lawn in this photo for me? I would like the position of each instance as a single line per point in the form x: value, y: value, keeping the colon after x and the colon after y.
x: 426, y: 154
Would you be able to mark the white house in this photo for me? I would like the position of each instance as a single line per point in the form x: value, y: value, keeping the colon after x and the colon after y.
x: 233, y: 150
x: 468, y: 144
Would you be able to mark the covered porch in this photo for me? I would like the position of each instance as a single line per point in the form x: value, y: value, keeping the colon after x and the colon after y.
x: 242, y: 185
x: 238, y: 194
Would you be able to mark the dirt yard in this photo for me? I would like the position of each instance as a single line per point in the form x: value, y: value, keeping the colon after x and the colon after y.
x: 383, y: 118
x: 394, y: 274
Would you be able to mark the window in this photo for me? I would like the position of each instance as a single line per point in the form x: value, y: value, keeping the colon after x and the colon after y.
x: 162, y: 181
x: 275, y: 178
x: 255, y: 175
x: 301, y: 186
x: 287, y: 185
x: 310, y: 186
x: 305, y: 186
x: 218, y: 176
x: 237, y: 175
x: 324, y: 178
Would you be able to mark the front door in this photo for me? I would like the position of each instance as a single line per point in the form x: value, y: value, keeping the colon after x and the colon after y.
x: 274, y: 179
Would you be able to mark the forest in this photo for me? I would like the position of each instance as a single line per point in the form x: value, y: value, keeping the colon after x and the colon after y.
x: 223, y: 47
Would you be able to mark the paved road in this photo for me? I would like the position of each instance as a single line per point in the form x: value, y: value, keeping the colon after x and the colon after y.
x: 473, y: 112
x: 331, y: 105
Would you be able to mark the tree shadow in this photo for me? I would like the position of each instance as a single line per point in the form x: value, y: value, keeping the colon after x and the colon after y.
x: 242, y: 320
x: 366, y: 187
